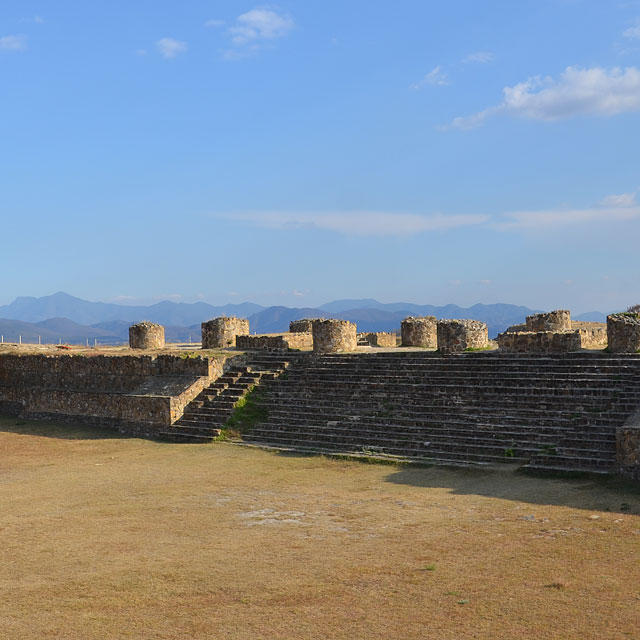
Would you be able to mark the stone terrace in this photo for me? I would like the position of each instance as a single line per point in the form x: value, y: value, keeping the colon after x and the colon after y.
x: 546, y: 412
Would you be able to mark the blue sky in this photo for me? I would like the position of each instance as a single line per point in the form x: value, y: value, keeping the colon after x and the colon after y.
x: 295, y: 153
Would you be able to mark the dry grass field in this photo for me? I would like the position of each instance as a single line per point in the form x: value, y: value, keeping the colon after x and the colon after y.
x: 110, y: 537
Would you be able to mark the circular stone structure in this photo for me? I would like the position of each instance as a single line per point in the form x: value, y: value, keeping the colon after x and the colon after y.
x: 221, y: 332
x: 419, y: 332
x: 305, y: 325
x: 454, y: 336
x: 334, y: 336
x: 146, y: 335
x: 558, y: 320
x: 623, y: 332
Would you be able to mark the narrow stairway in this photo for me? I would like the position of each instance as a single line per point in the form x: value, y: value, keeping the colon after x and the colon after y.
x: 206, y: 414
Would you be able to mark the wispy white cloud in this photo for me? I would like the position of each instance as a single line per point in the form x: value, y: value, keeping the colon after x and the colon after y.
x: 33, y: 19
x: 596, y: 91
x: 254, y: 29
x: 170, y: 48
x: 479, y: 57
x: 632, y: 33
x: 214, y: 23
x: 619, y: 200
x: 141, y: 52
x: 361, y: 223
x: 615, y: 208
x: 16, y: 42
x: 435, y: 77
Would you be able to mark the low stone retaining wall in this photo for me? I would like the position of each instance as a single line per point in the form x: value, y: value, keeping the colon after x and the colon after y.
x: 296, y: 340
x: 454, y: 336
x: 135, y: 394
x: 379, y: 339
x: 623, y: 332
x: 146, y: 335
x: 593, y: 335
x: 558, y: 320
x: 419, y: 332
x: 334, y: 336
x: 221, y: 332
x: 539, y: 342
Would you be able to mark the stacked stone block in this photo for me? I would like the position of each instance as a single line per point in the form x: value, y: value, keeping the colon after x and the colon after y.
x: 378, y: 339
x: 305, y: 325
x: 146, y: 335
x: 295, y: 340
x: 334, y: 336
x: 558, y: 320
x: 419, y: 332
x: 623, y: 332
x: 454, y: 336
x: 221, y: 332
x: 539, y: 342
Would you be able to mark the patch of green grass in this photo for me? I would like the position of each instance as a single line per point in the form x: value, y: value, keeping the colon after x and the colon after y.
x: 509, y: 452
x: 247, y: 413
x: 471, y: 349
x: 429, y: 567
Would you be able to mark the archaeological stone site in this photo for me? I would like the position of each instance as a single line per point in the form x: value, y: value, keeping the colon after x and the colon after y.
x: 549, y: 395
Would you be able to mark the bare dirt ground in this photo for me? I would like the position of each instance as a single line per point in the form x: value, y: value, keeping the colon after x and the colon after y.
x: 109, y: 537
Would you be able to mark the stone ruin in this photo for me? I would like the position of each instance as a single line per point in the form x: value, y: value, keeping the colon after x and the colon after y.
x: 334, y: 336
x: 419, y: 332
x: 278, y: 343
x: 623, y: 332
x: 304, y: 325
x: 220, y: 333
x: 455, y: 336
x: 146, y: 335
x: 377, y: 339
x: 559, y: 320
x: 552, y: 332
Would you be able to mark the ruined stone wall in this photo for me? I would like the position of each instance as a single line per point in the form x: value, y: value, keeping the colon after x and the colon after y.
x: 305, y: 325
x: 593, y: 335
x: 558, y: 320
x: 221, y: 332
x: 334, y: 336
x: 98, y: 373
x: 379, y: 339
x: 146, y: 335
x: 419, y: 332
x: 539, y: 342
x: 623, y: 332
x: 454, y: 336
x: 135, y: 394
x: 296, y: 340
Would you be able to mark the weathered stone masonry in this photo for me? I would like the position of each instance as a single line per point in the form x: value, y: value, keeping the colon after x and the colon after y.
x: 305, y: 325
x: 136, y: 394
x: 284, y: 342
x: 146, y: 335
x: 623, y: 332
x: 419, y: 332
x: 558, y: 320
x: 454, y: 336
x: 334, y: 336
x: 220, y: 333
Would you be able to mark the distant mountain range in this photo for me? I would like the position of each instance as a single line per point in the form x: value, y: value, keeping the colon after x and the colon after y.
x: 61, y: 317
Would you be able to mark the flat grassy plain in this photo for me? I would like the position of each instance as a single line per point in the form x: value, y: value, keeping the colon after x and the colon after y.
x: 108, y: 537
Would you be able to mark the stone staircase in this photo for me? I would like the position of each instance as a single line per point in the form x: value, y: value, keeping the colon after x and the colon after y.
x: 543, y: 412
x: 205, y: 416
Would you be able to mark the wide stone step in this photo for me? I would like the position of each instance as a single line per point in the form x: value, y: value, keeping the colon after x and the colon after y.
x: 391, y: 448
x: 179, y: 436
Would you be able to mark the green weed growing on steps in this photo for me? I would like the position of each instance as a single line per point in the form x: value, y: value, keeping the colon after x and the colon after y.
x: 472, y: 349
x: 247, y: 413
